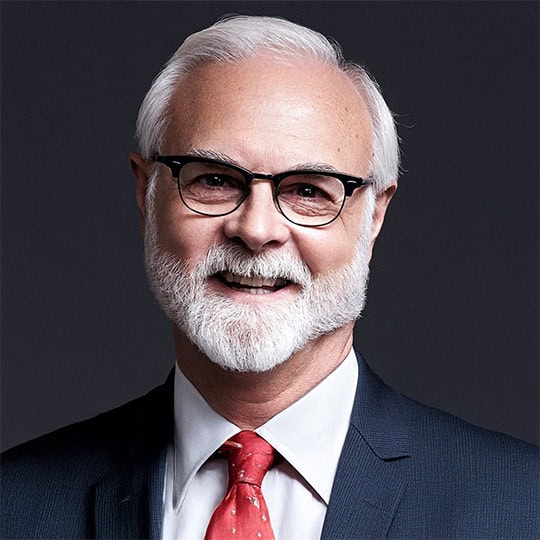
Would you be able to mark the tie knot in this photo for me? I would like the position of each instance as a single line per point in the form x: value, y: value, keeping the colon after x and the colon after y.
x: 250, y: 457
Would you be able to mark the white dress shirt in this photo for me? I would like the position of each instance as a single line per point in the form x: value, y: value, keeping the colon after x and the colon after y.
x: 309, y: 435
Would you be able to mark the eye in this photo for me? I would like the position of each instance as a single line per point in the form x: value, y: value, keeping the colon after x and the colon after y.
x: 311, y: 187
x: 310, y: 196
x: 216, y: 180
x: 308, y: 191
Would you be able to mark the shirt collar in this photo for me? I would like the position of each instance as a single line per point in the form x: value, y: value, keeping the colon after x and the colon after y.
x: 323, y: 414
x: 314, y: 450
x: 199, y: 432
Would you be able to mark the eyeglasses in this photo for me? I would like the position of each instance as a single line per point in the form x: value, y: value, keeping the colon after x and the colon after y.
x: 311, y: 198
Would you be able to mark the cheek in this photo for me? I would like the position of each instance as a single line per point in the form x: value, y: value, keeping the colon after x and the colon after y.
x: 186, y: 235
x: 329, y: 249
x: 329, y: 252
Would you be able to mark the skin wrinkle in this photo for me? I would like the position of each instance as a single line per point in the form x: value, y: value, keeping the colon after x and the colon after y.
x: 251, y: 398
x: 261, y: 131
x: 292, y: 111
x: 320, y: 306
x: 212, y: 154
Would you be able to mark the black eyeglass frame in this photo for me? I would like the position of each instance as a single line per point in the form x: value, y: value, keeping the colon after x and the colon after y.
x: 175, y: 163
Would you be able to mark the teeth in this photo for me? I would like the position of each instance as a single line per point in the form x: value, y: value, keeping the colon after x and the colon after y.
x: 252, y: 281
x: 257, y: 291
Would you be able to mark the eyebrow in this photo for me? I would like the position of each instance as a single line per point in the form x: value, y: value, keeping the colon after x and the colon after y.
x: 221, y: 156
x: 322, y: 167
x: 212, y: 154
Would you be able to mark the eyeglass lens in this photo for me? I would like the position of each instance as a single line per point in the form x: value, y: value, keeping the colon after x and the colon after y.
x: 215, y: 189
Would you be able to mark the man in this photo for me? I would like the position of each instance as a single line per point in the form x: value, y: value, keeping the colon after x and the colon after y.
x: 266, y: 167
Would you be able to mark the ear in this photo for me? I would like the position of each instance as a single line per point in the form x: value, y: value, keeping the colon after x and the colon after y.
x: 381, y: 204
x: 141, y: 170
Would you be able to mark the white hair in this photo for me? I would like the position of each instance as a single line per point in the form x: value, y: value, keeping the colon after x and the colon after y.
x: 238, y: 38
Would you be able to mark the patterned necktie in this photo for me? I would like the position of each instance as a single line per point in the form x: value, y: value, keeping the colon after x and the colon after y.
x: 243, y: 514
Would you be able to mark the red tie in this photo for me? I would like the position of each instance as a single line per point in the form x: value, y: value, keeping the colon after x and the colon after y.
x: 243, y: 514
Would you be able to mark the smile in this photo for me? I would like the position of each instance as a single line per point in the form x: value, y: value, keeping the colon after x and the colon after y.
x: 251, y: 285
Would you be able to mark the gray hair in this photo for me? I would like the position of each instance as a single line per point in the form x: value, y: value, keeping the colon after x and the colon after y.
x: 238, y: 38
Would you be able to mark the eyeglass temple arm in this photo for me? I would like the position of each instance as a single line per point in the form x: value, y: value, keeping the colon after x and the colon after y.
x: 352, y: 184
x: 173, y: 165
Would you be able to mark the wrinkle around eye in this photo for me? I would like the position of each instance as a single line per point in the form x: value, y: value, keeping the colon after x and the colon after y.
x: 300, y: 190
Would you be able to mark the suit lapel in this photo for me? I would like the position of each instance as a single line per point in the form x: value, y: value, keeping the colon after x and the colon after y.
x: 370, y: 478
x: 368, y: 486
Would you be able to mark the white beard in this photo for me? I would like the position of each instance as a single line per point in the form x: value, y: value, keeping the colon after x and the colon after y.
x: 255, y: 338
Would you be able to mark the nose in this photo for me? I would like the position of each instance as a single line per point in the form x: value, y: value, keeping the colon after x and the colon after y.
x: 258, y: 223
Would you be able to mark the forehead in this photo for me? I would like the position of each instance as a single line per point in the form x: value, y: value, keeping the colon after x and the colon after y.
x: 271, y: 115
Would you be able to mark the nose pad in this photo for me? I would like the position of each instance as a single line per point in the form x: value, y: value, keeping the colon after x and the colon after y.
x: 258, y: 223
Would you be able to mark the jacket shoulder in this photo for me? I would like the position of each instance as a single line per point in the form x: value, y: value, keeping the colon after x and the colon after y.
x: 48, y: 483
x: 454, y: 438
x: 135, y: 421
x: 461, y: 481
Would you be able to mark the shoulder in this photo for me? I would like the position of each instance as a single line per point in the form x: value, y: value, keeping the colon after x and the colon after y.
x: 472, y: 475
x: 460, y: 480
x: 430, y: 430
x: 55, y: 475
x: 107, y: 433
x: 456, y: 443
x: 459, y: 442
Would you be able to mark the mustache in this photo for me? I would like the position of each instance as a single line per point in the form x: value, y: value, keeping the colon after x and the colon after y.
x: 274, y: 264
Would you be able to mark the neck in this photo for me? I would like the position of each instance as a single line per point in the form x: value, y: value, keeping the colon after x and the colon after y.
x: 248, y: 400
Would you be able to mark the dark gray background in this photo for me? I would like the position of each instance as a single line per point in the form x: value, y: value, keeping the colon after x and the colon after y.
x: 452, y: 313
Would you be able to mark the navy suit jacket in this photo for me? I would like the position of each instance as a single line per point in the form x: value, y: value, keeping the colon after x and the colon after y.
x: 406, y: 471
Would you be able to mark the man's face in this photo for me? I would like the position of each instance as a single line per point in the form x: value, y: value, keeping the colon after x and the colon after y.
x: 266, y: 117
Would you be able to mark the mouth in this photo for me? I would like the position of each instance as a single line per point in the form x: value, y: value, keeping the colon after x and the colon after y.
x: 251, y: 285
